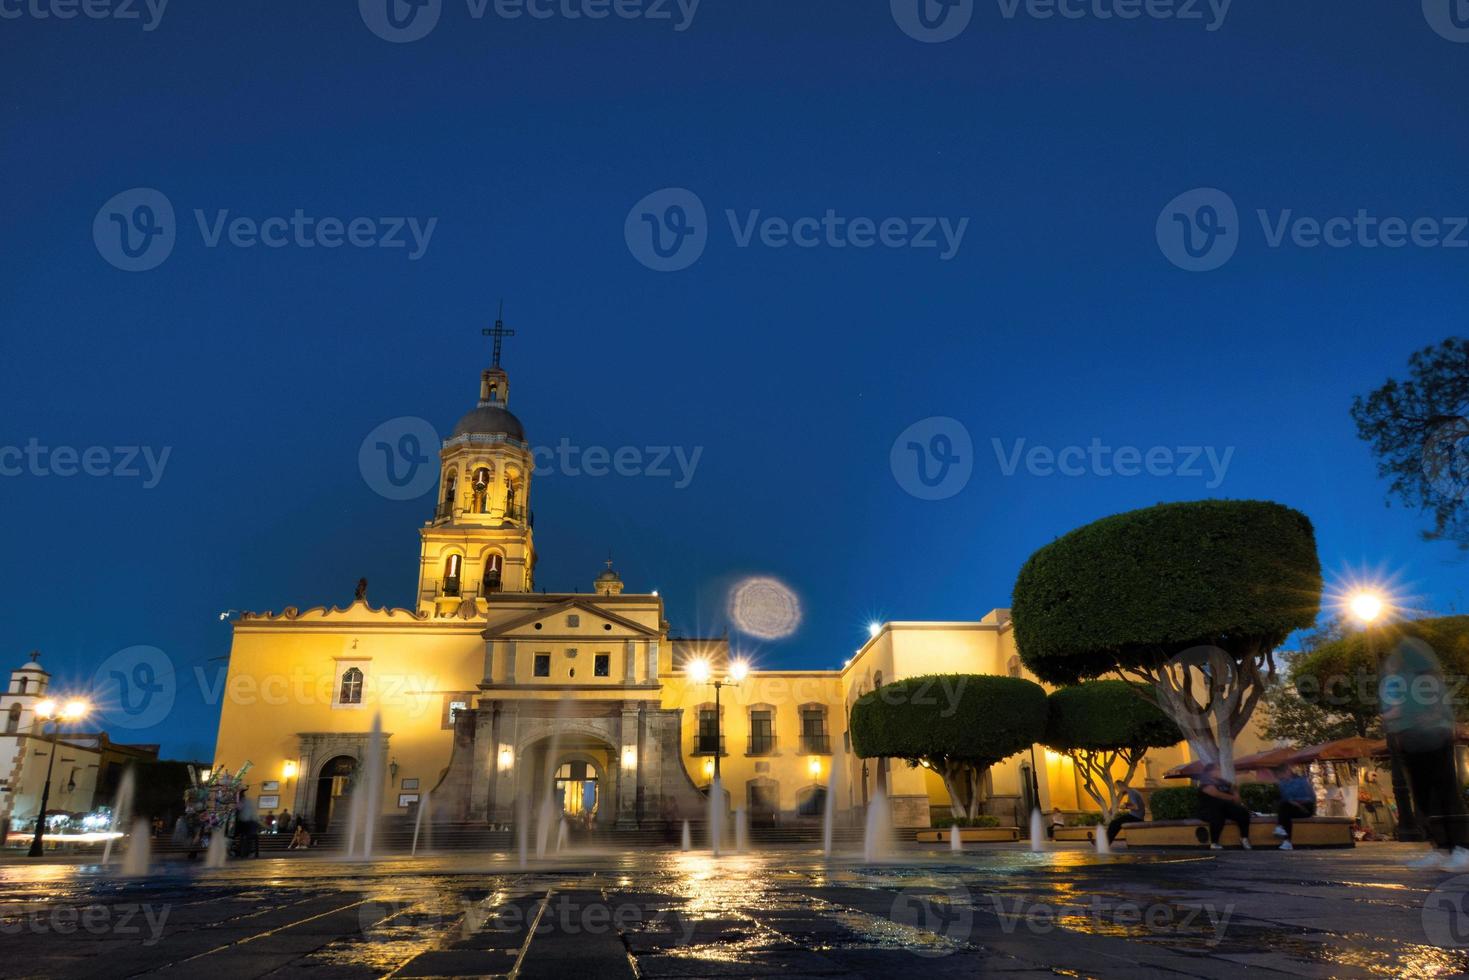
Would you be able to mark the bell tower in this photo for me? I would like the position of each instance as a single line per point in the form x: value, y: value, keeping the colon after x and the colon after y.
x: 480, y: 540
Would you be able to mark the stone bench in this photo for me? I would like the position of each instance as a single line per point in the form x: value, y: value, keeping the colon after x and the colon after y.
x: 1305, y: 832
x: 970, y: 835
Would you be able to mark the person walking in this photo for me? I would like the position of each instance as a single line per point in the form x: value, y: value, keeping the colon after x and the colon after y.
x: 1297, y: 800
x: 1133, y: 809
x: 1220, y: 803
x: 1418, y: 718
x: 249, y: 824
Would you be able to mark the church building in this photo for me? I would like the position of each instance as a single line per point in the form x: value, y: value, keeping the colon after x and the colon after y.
x: 491, y: 694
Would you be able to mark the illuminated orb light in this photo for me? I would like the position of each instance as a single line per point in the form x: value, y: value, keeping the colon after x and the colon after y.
x: 739, y: 670
x: 1366, y: 606
x: 698, y: 670
x: 765, y: 608
x: 874, y: 628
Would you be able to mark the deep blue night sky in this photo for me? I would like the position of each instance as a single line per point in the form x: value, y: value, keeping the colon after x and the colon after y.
x: 1059, y: 320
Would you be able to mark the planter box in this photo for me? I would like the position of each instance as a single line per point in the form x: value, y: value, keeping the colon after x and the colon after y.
x: 1306, y: 832
x: 1087, y: 834
x: 971, y: 835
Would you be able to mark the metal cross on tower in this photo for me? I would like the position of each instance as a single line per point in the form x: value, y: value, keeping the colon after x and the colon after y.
x: 499, y: 333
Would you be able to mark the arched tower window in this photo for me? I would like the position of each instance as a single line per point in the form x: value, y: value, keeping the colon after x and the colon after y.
x: 1013, y: 667
x: 12, y: 723
x: 453, y: 565
x: 494, y: 569
x: 451, y: 485
x: 351, y: 692
x: 482, y: 490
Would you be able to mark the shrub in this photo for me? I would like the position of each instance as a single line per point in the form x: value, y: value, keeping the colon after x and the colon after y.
x: 983, y: 820
x: 1101, y: 725
x: 1260, y: 797
x: 1084, y: 820
x: 1174, y: 803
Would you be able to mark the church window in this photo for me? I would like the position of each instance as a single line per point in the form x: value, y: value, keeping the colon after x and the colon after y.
x: 877, y: 680
x: 493, y: 566
x: 452, y: 567
x: 454, y: 708
x: 12, y: 723
x: 482, y: 490
x: 1013, y: 668
x: 23, y: 685
x: 543, y: 665
x: 451, y: 482
x: 351, y: 689
x: 813, y: 730
x: 602, y: 666
x: 573, y: 620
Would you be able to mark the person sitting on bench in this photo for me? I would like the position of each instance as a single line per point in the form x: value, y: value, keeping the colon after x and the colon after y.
x: 1133, y: 809
x: 1297, y: 800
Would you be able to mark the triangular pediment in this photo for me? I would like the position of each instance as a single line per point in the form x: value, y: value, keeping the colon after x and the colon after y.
x: 524, y: 625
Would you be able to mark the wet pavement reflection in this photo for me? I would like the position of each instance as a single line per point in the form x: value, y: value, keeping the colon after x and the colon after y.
x: 789, y: 911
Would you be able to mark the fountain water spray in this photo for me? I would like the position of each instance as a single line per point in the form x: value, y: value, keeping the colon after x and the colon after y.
x: 1102, y: 846
x: 877, y: 843
x: 833, y: 790
x: 374, y: 784
x: 956, y: 842
x: 544, y: 823
x: 135, y: 862
x: 563, y: 837
x: 716, y: 816
x: 1037, y: 831
x: 522, y: 827
x: 742, y: 831
x: 688, y: 838
x: 423, y: 813
x: 122, y: 809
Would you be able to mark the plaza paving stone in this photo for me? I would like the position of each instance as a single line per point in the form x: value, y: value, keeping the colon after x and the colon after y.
x: 789, y: 912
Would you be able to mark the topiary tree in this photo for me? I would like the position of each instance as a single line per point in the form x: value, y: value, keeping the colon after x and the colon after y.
x: 959, y: 725
x: 1191, y: 599
x: 1101, y: 725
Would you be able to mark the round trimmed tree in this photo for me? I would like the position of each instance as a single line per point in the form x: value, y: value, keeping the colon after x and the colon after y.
x: 1106, y: 729
x: 959, y: 725
x: 1190, y: 599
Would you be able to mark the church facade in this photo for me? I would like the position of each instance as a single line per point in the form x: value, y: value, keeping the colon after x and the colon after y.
x: 489, y: 694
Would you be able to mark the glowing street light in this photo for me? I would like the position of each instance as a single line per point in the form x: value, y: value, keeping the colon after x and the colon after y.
x: 701, y: 671
x: 874, y: 628
x: 49, y: 710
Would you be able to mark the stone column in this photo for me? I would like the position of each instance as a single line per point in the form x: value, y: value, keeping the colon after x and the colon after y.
x: 630, y: 662
x: 505, y: 732
x: 489, y: 662
x: 627, y: 798
x: 510, y: 663
x: 652, y: 677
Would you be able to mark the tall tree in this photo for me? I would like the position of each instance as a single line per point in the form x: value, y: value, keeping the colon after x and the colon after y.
x: 958, y: 725
x: 1190, y: 599
x: 1105, y: 728
x: 1419, y: 431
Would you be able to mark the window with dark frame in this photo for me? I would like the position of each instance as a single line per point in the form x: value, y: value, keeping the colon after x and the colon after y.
x: 543, y: 665
x: 708, y: 741
x: 351, y: 689
x: 602, y: 666
x: 762, y: 732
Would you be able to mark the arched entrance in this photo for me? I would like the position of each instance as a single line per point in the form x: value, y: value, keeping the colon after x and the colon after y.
x: 577, y: 785
x: 574, y: 772
x: 332, y: 786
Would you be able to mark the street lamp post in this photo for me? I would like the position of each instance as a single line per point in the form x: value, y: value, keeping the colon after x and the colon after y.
x: 45, y: 711
x: 701, y: 672
x: 1368, y: 608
